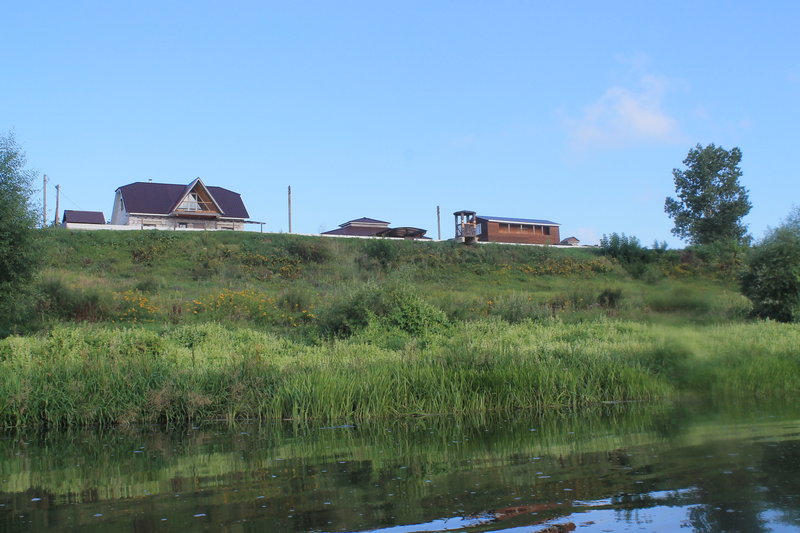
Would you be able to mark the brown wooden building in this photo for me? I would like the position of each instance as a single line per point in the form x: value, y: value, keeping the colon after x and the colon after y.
x: 517, y: 230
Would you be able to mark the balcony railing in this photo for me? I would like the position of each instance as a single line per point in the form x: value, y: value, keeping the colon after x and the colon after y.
x: 466, y: 230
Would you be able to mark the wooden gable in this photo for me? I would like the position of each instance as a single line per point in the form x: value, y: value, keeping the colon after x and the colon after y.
x: 197, y: 201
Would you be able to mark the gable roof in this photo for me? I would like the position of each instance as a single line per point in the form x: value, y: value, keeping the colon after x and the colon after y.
x: 196, y: 184
x: 364, y: 221
x: 357, y: 231
x: 518, y: 220
x: 83, y: 217
x: 163, y: 198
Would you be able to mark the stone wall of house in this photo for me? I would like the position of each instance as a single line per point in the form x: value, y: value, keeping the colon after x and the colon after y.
x: 177, y: 223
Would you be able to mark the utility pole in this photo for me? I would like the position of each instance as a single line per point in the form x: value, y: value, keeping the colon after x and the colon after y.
x: 439, y: 223
x: 290, y: 208
x: 58, y: 197
x: 44, y: 201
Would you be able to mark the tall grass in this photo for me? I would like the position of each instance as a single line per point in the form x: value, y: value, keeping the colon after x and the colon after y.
x: 88, y: 375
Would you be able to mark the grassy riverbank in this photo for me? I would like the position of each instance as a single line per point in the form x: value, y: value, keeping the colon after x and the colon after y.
x: 102, y: 375
x: 167, y: 327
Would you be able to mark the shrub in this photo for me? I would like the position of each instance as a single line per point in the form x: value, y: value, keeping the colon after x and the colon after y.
x: 610, y: 298
x: 61, y: 301
x: 626, y: 250
x: 772, y: 278
x: 265, y: 267
x: 383, y: 251
x: 20, y: 254
x: 150, y: 245
x: 148, y: 285
x: 394, y: 306
x: 722, y: 259
x: 310, y: 250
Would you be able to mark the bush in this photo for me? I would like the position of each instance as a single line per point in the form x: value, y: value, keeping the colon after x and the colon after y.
x: 383, y: 251
x: 722, y: 259
x: 20, y: 254
x: 148, y: 285
x: 610, y: 298
x: 69, y: 303
x: 394, y: 306
x: 310, y: 250
x: 772, y: 278
x: 626, y: 250
x: 148, y: 246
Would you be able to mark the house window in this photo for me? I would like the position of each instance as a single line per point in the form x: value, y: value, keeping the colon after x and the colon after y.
x: 504, y: 228
x: 190, y: 203
x: 547, y: 230
x: 182, y: 225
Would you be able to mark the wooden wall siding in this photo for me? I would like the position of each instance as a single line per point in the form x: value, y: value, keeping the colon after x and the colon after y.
x: 519, y: 233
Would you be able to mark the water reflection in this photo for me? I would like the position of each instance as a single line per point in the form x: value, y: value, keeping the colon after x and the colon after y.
x: 617, y: 468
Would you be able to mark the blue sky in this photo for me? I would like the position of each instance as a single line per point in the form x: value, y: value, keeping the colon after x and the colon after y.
x: 575, y: 112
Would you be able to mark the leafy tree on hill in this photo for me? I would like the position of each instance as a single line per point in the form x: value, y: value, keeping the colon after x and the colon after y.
x: 19, y: 253
x: 772, y: 279
x: 711, y: 203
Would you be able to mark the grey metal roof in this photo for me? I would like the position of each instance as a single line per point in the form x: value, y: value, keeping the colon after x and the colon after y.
x: 518, y: 220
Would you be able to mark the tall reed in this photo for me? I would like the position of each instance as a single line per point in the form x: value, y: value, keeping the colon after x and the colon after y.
x: 89, y: 374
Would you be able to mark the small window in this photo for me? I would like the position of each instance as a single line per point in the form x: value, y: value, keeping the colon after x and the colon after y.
x: 547, y: 230
x: 182, y: 225
x: 504, y: 228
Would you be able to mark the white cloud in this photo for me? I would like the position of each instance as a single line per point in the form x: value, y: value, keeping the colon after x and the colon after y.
x: 623, y: 117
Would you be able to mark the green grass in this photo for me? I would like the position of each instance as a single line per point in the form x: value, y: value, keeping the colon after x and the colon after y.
x: 156, y: 326
x: 157, y: 278
x: 88, y: 375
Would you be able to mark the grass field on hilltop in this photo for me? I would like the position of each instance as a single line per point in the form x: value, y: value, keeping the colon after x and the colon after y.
x: 137, y: 327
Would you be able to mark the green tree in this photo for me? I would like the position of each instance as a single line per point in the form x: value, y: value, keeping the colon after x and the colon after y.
x: 19, y: 252
x: 772, y: 279
x: 711, y: 203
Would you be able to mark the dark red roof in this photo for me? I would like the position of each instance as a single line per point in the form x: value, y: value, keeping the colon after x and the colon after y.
x: 365, y: 220
x: 84, y: 217
x: 161, y: 198
x: 357, y: 231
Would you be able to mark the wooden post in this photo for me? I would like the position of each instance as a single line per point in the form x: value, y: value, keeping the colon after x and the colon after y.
x: 58, y: 197
x: 290, y: 208
x: 44, y: 201
x: 439, y: 223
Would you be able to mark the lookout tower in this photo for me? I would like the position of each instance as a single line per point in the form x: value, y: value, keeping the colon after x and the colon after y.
x: 466, y: 227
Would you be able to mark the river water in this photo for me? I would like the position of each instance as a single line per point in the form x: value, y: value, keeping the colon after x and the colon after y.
x: 612, y: 468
